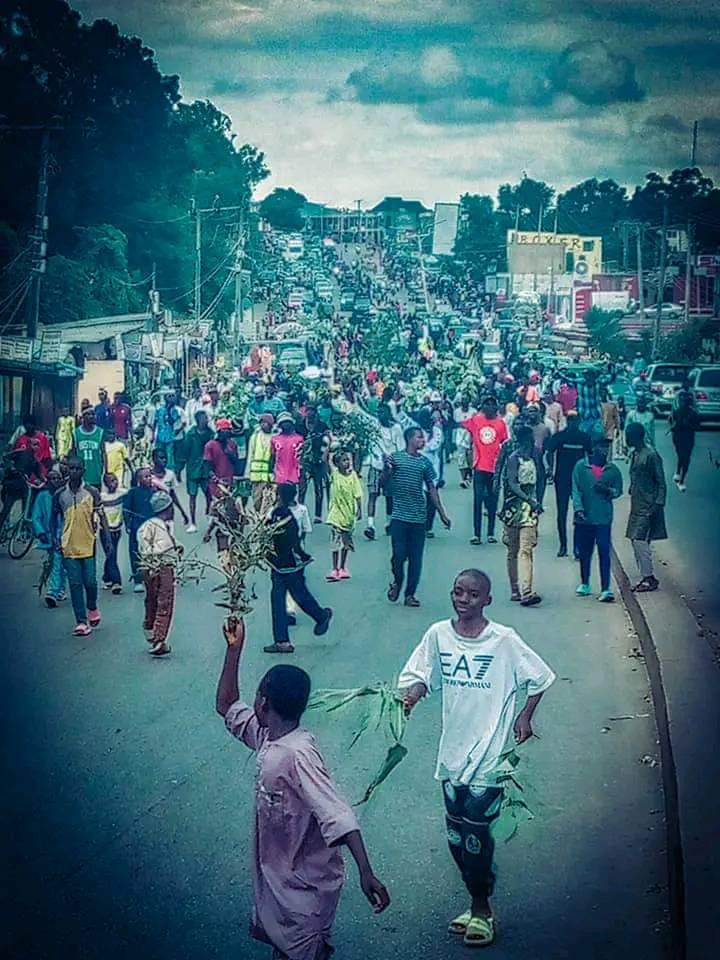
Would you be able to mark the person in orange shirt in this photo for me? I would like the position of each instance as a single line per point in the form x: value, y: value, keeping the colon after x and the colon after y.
x: 488, y: 431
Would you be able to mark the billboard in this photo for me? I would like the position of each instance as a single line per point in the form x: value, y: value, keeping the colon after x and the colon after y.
x: 445, y: 228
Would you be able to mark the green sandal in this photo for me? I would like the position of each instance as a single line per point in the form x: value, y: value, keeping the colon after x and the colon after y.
x: 459, y: 924
x: 480, y: 932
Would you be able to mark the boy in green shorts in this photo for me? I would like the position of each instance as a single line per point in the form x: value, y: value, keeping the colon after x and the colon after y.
x: 197, y: 468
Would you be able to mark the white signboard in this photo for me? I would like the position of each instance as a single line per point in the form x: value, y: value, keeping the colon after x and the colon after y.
x: 445, y: 228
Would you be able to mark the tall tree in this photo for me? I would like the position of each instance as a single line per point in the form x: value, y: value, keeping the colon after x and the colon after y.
x: 527, y: 201
x: 282, y: 207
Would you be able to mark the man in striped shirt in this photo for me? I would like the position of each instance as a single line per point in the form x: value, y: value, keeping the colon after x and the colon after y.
x: 410, y: 475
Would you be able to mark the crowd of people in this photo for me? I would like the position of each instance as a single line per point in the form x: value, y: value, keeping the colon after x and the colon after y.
x: 518, y: 430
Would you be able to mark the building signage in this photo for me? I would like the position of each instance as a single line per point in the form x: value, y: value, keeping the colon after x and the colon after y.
x: 16, y: 349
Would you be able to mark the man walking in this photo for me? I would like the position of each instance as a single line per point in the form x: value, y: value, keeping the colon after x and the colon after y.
x: 159, y: 549
x: 90, y: 448
x: 79, y: 505
x: 563, y: 451
x: 410, y: 475
x: 488, y: 432
x: 647, y: 505
x: 594, y: 487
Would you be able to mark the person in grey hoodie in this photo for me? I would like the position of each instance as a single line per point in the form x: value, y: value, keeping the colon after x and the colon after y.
x: 595, y: 484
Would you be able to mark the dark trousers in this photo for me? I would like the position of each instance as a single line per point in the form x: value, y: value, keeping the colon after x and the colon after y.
x: 318, y: 474
x: 408, y: 543
x: 684, y: 453
x: 563, y: 493
x: 110, y: 542
x: 468, y: 817
x: 136, y: 572
x: 587, y: 537
x: 483, y: 496
x: 294, y: 584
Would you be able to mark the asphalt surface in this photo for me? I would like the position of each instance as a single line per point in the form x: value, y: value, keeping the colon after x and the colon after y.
x: 693, y: 521
x: 127, y: 809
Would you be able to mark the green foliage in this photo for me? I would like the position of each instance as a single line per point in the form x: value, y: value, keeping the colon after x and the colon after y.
x: 354, y: 432
x: 282, y: 207
x: 382, y: 711
x: 685, y: 343
x: 606, y: 333
x: 381, y: 345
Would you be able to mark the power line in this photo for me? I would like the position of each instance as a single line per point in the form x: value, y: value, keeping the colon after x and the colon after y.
x: 208, y: 277
x: 16, y: 258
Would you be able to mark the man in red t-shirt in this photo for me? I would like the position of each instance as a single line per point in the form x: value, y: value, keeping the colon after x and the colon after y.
x: 121, y: 417
x: 38, y: 444
x: 222, y: 455
x: 488, y: 432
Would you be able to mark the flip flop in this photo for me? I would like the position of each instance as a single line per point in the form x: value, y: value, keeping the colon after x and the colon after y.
x: 459, y: 924
x: 480, y: 932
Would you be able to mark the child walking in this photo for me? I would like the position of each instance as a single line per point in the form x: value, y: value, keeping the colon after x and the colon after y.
x: 482, y: 669
x: 345, y: 509
x: 301, y: 822
x: 159, y: 548
x: 112, y: 496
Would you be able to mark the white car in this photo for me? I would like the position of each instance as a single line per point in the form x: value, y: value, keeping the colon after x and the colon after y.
x: 669, y: 311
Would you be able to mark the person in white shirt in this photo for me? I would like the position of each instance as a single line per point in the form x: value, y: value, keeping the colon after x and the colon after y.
x: 482, y: 668
x: 159, y: 549
x: 390, y: 440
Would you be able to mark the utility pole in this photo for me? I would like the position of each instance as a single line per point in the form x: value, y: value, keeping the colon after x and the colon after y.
x: 39, y: 237
x: 661, y: 282
x: 690, y: 233
x: 196, y: 213
x: 641, y: 289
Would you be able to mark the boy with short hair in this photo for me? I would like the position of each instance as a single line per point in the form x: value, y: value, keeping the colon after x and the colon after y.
x: 159, y: 548
x: 481, y: 668
x: 345, y: 508
x: 300, y: 819
x: 112, y: 496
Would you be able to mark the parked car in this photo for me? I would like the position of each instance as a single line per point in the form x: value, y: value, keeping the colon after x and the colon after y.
x: 668, y: 311
x: 705, y: 386
x: 664, y: 380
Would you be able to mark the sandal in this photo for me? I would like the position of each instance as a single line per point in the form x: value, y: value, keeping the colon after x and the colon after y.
x: 480, y: 932
x: 279, y: 648
x: 459, y: 925
x: 646, y: 586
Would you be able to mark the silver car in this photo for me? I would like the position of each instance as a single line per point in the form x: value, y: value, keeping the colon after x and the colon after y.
x: 664, y: 381
x: 705, y: 387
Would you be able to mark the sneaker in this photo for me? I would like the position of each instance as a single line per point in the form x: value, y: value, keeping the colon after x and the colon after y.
x: 60, y: 597
x: 464, y: 484
x: 476, y: 541
x: 94, y: 618
x: 369, y: 533
x: 583, y: 590
x: 562, y: 552
x: 393, y: 592
x: 492, y: 539
x: 318, y: 520
x: 681, y: 487
x: 429, y: 535
x: 279, y: 648
x: 515, y: 597
x: 50, y: 602
x: 116, y: 589
x: 160, y: 650
x: 106, y: 586
x: 412, y: 602
x: 191, y: 528
x: 322, y: 627
x: 343, y: 574
x: 82, y: 630
x: 607, y: 596
x: 531, y: 601
x: 138, y: 588
x: 333, y: 576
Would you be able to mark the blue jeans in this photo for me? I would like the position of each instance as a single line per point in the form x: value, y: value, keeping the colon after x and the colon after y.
x: 83, y: 585
x: 57, y: 582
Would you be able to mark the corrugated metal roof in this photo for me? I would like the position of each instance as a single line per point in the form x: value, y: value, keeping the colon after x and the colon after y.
x: 97, y: 329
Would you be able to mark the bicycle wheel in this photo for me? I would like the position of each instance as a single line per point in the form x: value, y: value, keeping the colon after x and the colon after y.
x: 21, y: 540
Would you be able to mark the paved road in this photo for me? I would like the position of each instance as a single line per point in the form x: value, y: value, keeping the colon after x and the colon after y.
x: 693, y: 520
x: 128, y: 809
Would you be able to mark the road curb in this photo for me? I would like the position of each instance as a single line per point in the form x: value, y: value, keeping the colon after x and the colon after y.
x: 673, y: 832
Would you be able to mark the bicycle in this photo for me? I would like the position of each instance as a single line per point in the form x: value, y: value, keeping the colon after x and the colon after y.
x: 19, y: 534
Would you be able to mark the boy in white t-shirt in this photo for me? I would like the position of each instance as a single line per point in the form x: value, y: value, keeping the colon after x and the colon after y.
x: 481, y: 667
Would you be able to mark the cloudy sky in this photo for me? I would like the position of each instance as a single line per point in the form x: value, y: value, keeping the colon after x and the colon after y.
x: 428, y: 99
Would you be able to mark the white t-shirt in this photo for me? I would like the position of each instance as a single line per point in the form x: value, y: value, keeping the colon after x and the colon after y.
x: 480, y: 680
x: 302, y: 518
x: 390, y: 440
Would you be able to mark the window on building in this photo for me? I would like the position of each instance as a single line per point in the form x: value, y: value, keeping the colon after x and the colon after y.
x: 588, y: 245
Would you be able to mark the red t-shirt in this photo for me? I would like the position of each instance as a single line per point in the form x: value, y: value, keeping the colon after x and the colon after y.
x: 121, y: 420
x: 38, y: 444
x: 220, y: 463
x: 488, y: 435
x: 286, y: 447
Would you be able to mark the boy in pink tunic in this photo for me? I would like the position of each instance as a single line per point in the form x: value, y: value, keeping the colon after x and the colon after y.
x: 300, y: 820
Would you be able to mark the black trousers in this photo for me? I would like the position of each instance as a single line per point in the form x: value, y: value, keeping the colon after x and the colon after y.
x: 468, y: 816
x: 110, y: 542
x: 294, y: 584
x: 563, y: 494
x: 408, y: 543
x: 483, y: 496
x: 684, y: 453
x: 317, y: 472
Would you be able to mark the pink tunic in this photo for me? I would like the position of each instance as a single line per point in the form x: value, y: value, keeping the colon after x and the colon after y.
x: 297, y: 873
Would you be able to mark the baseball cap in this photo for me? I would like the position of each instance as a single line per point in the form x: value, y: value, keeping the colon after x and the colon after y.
x: 223, y: 424
x: 284, y: 417
x: 160, y: 501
